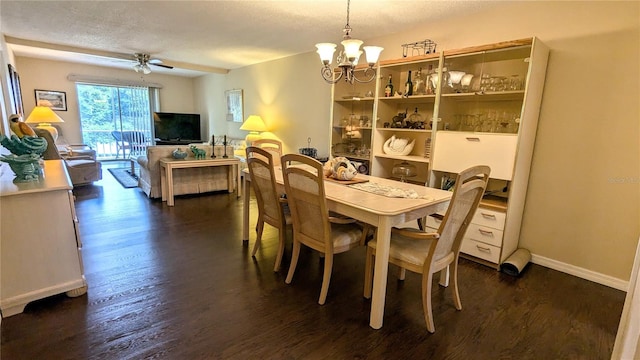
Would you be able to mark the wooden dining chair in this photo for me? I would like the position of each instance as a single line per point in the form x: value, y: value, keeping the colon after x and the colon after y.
x: 312, y: 224
x: 271, y: 207
x: 428, y: 253
x: 271, y: 145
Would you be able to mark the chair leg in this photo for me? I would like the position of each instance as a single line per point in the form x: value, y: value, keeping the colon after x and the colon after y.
x: 294, y: 261
x: 454, y: 275
x: 259, y: 229
x: 326, y: 278
x: 444, y: 277
x: 368, y: 272
x: 426, y: 301
x: 366, y: 228
x: 281, y: 237
x: 402, y: 272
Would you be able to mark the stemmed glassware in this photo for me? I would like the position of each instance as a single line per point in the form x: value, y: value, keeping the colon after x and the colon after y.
x: 515, y: 83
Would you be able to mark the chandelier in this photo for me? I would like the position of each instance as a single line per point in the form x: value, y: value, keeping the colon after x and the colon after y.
x: 348, y: 58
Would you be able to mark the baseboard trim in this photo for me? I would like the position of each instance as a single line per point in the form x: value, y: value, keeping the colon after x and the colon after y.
x: 583, y: 273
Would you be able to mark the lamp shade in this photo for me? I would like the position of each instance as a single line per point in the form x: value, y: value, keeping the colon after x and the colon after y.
x: 351, y: 48
x: 372, y: 53
x: 254, y: 123
x: 43, y: 114
x: 326, y: 50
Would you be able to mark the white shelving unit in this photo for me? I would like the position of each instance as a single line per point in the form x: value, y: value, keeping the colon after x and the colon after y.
x: 490, y: 118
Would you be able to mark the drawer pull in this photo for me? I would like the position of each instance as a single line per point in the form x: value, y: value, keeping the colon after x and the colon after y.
x: 486, y: 232
x: 488, y: 216
x: 476, y: 139
x: 483, y: 249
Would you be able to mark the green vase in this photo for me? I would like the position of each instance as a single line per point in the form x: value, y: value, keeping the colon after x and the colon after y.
x: 26, y: 167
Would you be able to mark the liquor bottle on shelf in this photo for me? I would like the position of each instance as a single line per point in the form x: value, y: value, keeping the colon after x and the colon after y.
x: 388, y: 90
x: 430, y: 84
x: 419, y: 86
x: 408, y: 86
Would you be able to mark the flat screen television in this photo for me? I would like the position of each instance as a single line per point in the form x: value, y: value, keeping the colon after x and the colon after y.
x: 176, y: 128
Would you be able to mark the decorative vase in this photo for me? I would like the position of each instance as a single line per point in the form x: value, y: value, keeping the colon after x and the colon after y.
x: 26, y: 167
x: 179, y: 154
x: 398, y: 146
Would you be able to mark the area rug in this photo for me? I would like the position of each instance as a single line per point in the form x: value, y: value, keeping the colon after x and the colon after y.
x: 124, y: 177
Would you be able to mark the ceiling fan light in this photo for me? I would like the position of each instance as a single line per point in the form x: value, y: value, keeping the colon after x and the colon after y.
x: 145, y: 69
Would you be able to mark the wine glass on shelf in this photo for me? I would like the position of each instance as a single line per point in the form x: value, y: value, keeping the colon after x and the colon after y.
x: 515, y: 83
x: 485, y: 82
x: 465, y: 82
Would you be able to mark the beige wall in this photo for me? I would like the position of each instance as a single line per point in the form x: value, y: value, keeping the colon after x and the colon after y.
x: 209, y: 100
x: 583, y: 201
x: 288, y: 94
x: 177, y: 94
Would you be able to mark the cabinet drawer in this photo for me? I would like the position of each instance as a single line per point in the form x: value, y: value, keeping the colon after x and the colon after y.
x: 480, y: 250
x: 456, y: 151
x: 490, y: 218
x: 484, y: 234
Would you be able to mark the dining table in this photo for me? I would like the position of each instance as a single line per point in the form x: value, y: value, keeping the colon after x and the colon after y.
x: 379, y: 210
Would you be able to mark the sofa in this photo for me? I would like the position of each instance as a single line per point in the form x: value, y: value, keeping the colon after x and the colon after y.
x: 185, y: 181
x: 82, y: 166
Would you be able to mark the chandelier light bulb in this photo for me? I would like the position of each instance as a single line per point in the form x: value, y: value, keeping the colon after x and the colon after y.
x: 372, y: 53
x: 355, y: 61
x: 326, y: 50
x: 352, y: 48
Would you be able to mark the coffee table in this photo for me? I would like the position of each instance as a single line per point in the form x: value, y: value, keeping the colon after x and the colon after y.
x: 167, y: 166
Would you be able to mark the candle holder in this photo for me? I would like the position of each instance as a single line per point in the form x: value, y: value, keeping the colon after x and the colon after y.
x: 224, y: 144
x: 213, y: 146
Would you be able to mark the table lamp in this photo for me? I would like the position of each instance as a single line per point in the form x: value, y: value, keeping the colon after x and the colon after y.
x: 44, y: 116
x: 255, y: 126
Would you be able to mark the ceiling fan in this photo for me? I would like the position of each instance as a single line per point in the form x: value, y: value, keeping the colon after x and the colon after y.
x: 144, y: 60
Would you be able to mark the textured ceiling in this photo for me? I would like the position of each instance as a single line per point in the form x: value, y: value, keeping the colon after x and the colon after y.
x: 205, y: 36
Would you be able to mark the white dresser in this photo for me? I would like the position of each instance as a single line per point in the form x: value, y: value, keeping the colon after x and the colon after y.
x: 39, y: 239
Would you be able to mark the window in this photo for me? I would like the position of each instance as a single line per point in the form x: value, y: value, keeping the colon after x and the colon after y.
x: 116, y: 121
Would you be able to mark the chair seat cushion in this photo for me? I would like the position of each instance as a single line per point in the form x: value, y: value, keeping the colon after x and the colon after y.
x: 406, y: 249
x: 345, y: 234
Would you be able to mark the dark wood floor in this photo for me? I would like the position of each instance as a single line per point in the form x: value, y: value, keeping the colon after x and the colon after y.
x: 177, y: 283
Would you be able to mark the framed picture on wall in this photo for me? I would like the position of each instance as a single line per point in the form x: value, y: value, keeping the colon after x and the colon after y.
x: 56, y: 99
x: 16, y: 92
x: 235, y: 112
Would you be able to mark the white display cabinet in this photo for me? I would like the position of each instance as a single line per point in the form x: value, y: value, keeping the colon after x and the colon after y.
x: 479, y: 105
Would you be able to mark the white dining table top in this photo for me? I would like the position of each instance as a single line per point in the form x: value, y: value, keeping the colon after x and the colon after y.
x: 383, y: 205
x: 380, y: 204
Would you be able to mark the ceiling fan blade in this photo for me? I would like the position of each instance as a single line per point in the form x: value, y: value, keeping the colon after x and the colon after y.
x: 161, y: 65
x: 158, y: 62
